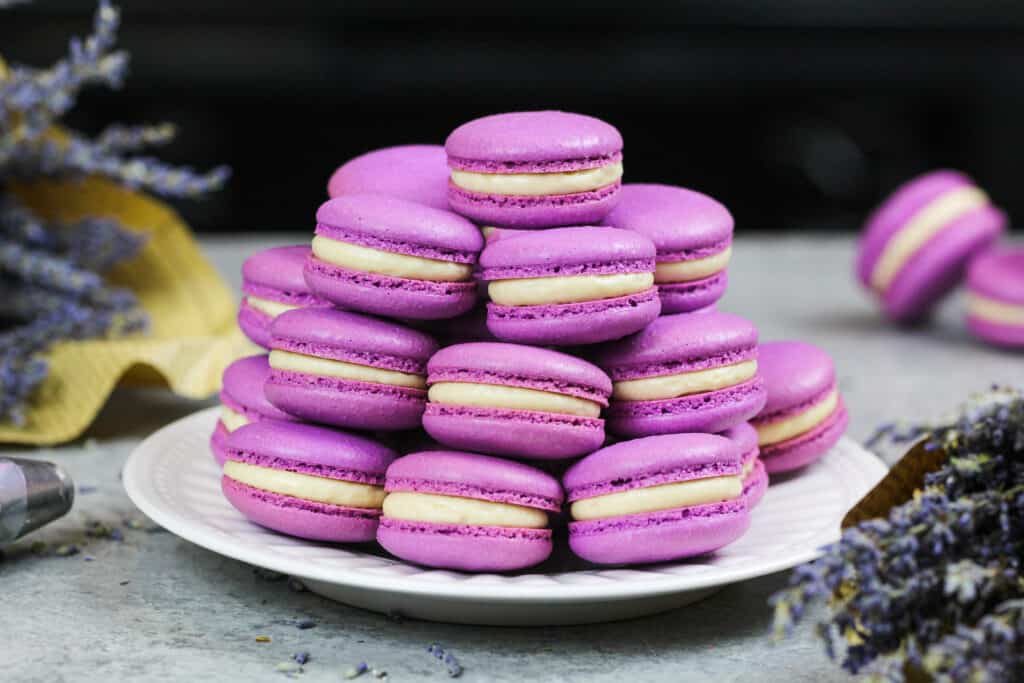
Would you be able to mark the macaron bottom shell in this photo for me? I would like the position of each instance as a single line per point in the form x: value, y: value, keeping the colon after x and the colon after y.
x: 687, y: 297
x: 808, y: 447
x: 998, y: 334
x: 513, y: 433
x: 464, y: 547
x: 586, y: 322
x: 659, y: 536
x: 523, y: 212
x: 710, y: 412
x: 302, y: 518
x: 346, y: 403
x: 939, y: 265
x: 389, y: 296
x: 254, y: 324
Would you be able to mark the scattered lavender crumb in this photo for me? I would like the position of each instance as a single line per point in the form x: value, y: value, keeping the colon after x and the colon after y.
x: 116, y: 534
x: 306, y: 624
x: 356, y: 671
x: 125, y: 582
x: 85, y: 489
x: 296, y: 586
x: 88, y: 558
x: 449, y: 660
x: 66, y: 550
x: 134, y: 523
x: 301, y: 657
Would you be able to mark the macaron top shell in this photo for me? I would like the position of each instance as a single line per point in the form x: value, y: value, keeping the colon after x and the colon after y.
x: 794, y: 373
x: 679, y: 221
x: 568, y: 251
x: 518, y: 365
x: 897, y: 209
x: 352, y: 337
x: 501, y: 142
x: 744, y: 436
x: 355, y: 458
x: 418, y: 173
x: 652, y: 461
x: 400, y: 226
x: 470, y: 475
x: 242, y: 383
x: 680, y: 343
x: 278, y: 268
x: 999, y: 274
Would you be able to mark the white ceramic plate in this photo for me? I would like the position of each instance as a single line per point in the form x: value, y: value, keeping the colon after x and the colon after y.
x: 172, y: 478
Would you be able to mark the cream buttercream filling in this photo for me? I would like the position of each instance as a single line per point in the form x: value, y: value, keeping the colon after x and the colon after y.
x: 533, y: 291
x: 534, y: 184
x: 685, y: 271
x: 232, y: 419
x: 780, y: 430
x: 684, y: 383
x: 290, y: 361
x: 306, y: 486
x: 995, y: 311
x: 271, y: 308
x: 921, y: 227
x: 748, y: 467
x: 369, y: 260
x: 511, y: 398
x: 441, y: 509
x: 663, y: 497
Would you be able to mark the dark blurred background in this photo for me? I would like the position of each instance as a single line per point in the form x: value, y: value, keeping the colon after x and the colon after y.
x: 797, y: 114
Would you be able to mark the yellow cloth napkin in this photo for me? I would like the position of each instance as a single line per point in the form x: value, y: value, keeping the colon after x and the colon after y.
x: 192, y: 336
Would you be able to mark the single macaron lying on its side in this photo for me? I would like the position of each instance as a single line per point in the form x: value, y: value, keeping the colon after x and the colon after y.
x: 534, y: 169
x: 804, y: 415
x: 517, y: 401
x: 417, y: 173
x: 306, y: 481
x: 684, y: 373
x: 348, y: 370
x: 693, y: 235
x: 570, y: 286
x: 656, y: 499
x: 393, y: 257
x: 467, y: 511
x: 242, y: 399
x: 916, y: 245
x: 272, y: 283
x: 755, y: 477
x: 995, y: 297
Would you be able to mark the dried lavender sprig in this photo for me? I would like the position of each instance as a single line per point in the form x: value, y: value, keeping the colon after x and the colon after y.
x: 121, y: 138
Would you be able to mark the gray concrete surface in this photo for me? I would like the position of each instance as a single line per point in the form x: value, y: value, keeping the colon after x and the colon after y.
x: 152, y: 607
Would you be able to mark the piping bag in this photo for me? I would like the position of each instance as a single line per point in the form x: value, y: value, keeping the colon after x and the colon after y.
x: 32, y: 493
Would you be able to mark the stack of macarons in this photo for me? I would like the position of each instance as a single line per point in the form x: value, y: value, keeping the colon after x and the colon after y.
x: 930, y: 235
x: 535, y: 341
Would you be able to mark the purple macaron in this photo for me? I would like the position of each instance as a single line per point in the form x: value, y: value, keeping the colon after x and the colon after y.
x: 534, y: 169
x: 693, y: 236
x: 916, y: 245
x: 995, y: 299
x: 804, y: 415
x: 306, y: 481
x: 517, y: 401
x: 243, y: 401
x: 570, y: 286
x: 466, y: 511
x: 272, y: 283
x: 684, y: 373
x: 755, y: 476
x: 656, y: 499
x: 393, y: 257
x: 348, y: 370
x: 417, y: 173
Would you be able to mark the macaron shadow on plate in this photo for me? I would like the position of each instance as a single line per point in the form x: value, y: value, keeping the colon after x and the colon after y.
x: 173, y: 479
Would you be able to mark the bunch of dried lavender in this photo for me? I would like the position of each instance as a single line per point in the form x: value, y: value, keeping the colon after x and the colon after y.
x: 51, y: 283
x: 937, y: 587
